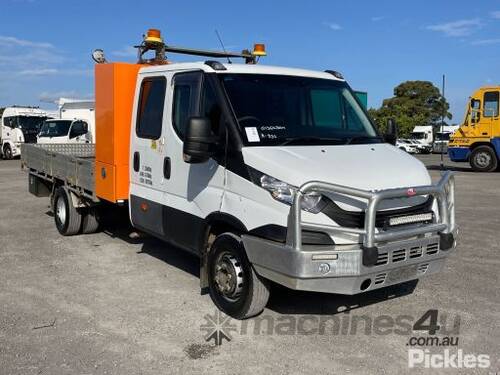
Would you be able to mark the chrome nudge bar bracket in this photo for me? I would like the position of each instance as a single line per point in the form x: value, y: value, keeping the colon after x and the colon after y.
x: 443, y: 192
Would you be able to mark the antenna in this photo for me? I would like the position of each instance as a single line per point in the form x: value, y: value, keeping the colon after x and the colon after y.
x: 442, y: 122
x: 222, y: 45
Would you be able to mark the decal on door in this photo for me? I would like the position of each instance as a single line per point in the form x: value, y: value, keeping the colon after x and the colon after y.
x: 146, y: 175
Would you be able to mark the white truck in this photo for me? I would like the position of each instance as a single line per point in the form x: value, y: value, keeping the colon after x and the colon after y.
x: 76, y: 124
x: 19, y: 125
x: 424, y: 136
x: 267, y: 174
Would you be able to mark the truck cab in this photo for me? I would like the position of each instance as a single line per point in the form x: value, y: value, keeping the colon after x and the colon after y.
x: 19, y: 125
x: 275, y: 163
x: 64, y: 131
x: 423, y: 135
x: 478, y: 138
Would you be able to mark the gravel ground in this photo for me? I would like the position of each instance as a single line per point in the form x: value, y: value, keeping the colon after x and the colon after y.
x: 104, y: 304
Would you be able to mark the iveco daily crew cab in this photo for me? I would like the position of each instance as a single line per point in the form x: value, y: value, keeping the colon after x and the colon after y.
x: 267, y: 173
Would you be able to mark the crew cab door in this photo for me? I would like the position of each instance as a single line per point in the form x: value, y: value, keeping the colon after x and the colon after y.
x: 193, y: 190
x: 490, y: 113
x: 146, y: 148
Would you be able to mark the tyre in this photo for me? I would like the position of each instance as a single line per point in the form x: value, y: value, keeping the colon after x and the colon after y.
x: 234, y: 286
x: 483, y: 159
x: 90, y: 221
x: 7, y: 152
x: 68, y: 219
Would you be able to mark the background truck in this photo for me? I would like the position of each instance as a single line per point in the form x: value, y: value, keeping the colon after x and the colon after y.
x: 266, y: 173
x: 19, y: 125
x: 478, y: 138
x: 76, y: 124
x: 442, y: 138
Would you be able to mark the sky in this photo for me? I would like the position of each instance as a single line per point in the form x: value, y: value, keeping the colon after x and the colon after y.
x: 46, y: 45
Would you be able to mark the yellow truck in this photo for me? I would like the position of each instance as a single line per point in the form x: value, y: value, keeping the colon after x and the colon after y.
x: 478, y: 138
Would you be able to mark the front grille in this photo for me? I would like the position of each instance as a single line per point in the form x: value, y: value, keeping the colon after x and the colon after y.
x: 383, y: 258
x: 416, y: 252
x: 398, y: 255
x: 432, y: 248
x: 380, y: 278
x: 402, y: 254
x: 356, y: 219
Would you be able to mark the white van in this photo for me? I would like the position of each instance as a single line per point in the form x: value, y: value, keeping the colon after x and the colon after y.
x: 76, y: 124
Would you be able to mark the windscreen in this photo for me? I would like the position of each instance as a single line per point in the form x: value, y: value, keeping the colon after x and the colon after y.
x: 418, y: 135
x: 55, y: 128
x: 280, y: 110
x: 29, y: 123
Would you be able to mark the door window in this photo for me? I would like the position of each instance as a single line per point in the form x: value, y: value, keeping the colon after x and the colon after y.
x: 150, y: 108
x: 490, y: 104
x: 186, y: 100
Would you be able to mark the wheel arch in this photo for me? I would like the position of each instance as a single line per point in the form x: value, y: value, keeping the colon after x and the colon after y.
x: 216, y: 223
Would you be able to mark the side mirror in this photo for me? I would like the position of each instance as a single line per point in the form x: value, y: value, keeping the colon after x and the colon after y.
x: 391, y: 134
x: 78, y: 128
x: 200, y: 143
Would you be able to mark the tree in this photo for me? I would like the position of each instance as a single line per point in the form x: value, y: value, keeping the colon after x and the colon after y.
x: 414, y: 103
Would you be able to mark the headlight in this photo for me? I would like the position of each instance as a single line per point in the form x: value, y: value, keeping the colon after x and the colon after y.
x: 283, y: 192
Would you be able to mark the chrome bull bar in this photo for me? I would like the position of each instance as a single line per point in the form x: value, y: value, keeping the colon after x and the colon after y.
x: 443, y: 192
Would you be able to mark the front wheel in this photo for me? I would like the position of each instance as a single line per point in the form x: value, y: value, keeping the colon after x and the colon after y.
x: 483, y: 159
x: 7, y: 152
x: 234, y: 286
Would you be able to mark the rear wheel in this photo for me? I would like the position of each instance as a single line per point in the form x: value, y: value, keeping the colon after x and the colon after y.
x: 68, y: 219
x: 90, y: 221
x: 483, y: 159
x: 234, y: 286
x: 7, y: 152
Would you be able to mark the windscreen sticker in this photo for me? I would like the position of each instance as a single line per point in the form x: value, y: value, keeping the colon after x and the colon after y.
x: 252, y: 134
x: 269, y: 131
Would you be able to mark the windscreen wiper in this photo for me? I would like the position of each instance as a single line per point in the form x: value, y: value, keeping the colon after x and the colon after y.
x: 294, y: 140
x: 361, y: 138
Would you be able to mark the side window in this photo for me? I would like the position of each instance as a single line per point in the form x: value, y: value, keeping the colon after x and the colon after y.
x: 186, y: 100
x: 10, y: 122
x: 490, y: 104
x: 150, y: 108
x: 475, y: 108
x: 326, y: 108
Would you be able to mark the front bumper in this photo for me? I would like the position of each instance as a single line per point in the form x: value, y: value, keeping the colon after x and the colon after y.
x: 386, y: 257
x: 459, y: 153
x: 313, y: 268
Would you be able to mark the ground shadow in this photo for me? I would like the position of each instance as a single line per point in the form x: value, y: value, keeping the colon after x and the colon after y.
x: 288, y: 301
x: 116, y: 224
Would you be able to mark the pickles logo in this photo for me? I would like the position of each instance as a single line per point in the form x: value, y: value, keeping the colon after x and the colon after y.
x: 448, y: 359
x: 218, y: 327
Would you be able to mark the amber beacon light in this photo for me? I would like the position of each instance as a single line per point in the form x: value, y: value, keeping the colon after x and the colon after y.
x: 153, y: 36
x: 259, y: 49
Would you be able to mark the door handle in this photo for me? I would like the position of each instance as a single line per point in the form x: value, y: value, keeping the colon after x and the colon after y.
x: 166, y: 168
x: 137, y: 161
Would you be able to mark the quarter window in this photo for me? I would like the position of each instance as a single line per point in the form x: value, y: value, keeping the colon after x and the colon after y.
x: 490, y: 104
x: 150, y: 109
x: 186, y: 100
